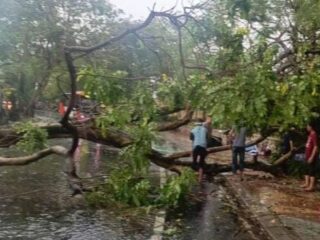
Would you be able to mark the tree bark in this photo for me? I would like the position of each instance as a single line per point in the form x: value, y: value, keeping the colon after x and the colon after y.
x: 16, y: 161
x: 176, y: 124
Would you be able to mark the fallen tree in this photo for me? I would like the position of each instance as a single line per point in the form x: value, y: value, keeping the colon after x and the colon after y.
x: 258, y: 83
x: 115, y: 138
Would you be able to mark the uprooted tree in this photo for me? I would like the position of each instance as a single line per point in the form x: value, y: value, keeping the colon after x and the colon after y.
x: 251, y: 61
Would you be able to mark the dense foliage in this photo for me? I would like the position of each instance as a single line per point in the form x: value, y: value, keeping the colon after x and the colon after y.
x: 32, y: 139
x: 138, y: 191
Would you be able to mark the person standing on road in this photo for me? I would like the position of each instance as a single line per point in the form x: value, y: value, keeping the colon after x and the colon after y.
x: 199, y: 137
x: 238, y: 134
x: 312, y: 153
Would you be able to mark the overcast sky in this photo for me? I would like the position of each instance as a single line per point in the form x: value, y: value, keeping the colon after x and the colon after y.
x: 139, y: 8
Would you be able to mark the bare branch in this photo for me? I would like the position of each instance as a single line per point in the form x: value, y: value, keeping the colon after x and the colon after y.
x: 176, y: 124
x: 181, y: 54
x: 15, y: 161
x: 199, y: 67
x: 88, y: 131
x: 283, y: 67
x: 58, y: 78
x: 65, y: 119
x: 313, y: 51
x: 150, y: 48
x: 283, y: 55
x: 108, y: 42
x: 120, y: 78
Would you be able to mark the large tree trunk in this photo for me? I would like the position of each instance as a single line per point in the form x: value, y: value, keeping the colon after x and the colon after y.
x: 120, y: 139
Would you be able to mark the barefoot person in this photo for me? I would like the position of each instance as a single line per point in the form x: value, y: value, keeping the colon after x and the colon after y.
x: 238, y: 134
x: 199, y: 137
x: 311, y: 158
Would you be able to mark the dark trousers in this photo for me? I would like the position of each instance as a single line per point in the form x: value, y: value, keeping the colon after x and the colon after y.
x: 201, y: 153
x: 284, y: 165
x: 237, y: 152
x: 311, y: 168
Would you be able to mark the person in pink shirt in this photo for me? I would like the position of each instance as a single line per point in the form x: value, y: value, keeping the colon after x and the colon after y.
x: 312, y: 155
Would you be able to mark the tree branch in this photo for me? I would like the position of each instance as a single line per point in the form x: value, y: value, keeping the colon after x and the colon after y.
x: 108, y: 42
x: 14, y: 161
x: 215, y: 149
x: 176, y: 124
x: 65, y: 119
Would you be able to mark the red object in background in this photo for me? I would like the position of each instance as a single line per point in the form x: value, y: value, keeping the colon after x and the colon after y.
x: 79, y: 115
x: 61, y: 108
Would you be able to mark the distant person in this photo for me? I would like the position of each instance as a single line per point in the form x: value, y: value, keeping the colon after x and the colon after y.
x: 311, y: 154
x: 199, y: 137
x: 238, y: 136
x: 254, y: 152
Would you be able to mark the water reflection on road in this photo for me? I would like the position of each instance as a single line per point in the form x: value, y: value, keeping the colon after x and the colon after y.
x: 35, y: 202
x: 214, y: 216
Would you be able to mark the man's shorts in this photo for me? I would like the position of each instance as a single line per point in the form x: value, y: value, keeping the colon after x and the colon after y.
x: 312, y: 168
x: 200, y: 152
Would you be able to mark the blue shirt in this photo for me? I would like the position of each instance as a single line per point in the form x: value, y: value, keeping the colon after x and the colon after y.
x: 199, y: 136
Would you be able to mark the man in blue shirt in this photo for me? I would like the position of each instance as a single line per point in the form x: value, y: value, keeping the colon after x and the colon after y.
x: 199, y: 137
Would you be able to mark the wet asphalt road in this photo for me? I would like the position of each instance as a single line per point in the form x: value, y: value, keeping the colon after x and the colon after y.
x: 215, y: 215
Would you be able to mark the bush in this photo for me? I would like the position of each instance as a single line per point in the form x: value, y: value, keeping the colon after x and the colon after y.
x: 126, y: 188
x: 176, y: 188
x: 33, y: 137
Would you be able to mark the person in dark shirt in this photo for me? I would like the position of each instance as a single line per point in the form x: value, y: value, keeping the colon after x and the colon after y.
x: 287, y: 146
x: 287, y: 142
x: 312, y: 153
